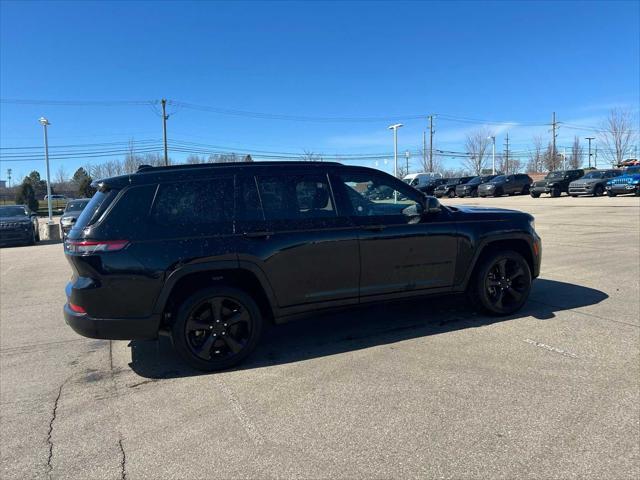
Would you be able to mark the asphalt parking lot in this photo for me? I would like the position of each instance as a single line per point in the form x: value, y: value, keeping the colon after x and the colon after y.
x: 415, y: 390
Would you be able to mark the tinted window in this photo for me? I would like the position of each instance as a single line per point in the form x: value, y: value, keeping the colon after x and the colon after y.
x: 248, y: 205
x: 198, y: 203
x: 13, y: 212
x: 96, y: 207
x: 498, y: 179
x: 291, y: 197
x: 128, y: 216
x: 373, y: 195
x: 76, y: 205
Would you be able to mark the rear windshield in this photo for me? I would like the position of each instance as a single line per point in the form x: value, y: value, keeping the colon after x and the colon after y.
x: 96, y: 207
x: 76, y: 205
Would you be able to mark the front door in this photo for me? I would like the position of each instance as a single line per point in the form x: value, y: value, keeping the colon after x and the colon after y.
x: 399, y: 252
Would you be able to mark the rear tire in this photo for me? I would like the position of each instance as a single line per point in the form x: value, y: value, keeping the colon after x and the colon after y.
x: 32, y: 239
x: 611, y: 194
x: 501, y: 283
x: 556, y: 192
x: 216, y: 328
x: 525, y: 190
x: 598, y: 191
x: 451, y: 194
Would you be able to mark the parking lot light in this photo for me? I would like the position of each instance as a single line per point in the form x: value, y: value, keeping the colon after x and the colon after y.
x: 395, y: 128
x: 44, y: 122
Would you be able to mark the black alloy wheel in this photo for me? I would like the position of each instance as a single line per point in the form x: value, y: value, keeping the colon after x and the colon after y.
x: 502, y: 283
x: 217, y: 328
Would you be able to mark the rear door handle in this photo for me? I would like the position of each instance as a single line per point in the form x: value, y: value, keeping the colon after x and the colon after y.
x: 374, y: 228
x: 257, y: 234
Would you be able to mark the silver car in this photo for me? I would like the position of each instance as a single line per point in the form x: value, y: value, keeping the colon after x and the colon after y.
x: 593, y: 183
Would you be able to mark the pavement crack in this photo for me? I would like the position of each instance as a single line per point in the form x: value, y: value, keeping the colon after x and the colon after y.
x: 123, y: 462
x: 54, y: 414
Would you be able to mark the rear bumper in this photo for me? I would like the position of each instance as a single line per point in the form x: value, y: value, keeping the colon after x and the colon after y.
x: 112, y: 328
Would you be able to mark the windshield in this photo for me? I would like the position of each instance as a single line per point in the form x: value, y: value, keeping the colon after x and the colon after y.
x: 76, y: 206
x: 632, y: 171
x: 475, y: 181
x: 594, y: 175
x: 12, y: 212
x: 498, y: 179
x: 555, y: 175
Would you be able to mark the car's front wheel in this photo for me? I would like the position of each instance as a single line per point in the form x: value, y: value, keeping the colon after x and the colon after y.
x: 217, y: 328
x: 535, y: 195
x: 501, y: 283
x: 556, y: 192
x: 598, y: 191
x: 611, y: 194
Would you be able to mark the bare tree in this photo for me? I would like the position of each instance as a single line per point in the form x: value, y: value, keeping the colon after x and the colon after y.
x: 476, y: 145
x: 617, y: 135
x: 575, y: 160
x: 551, y: 162
x: 131, y: 160
x: 535, y: 163
x: 61, y: 175
x: 424, y: 160
x: 309, y: 156
x: 222, y: 158
x: 195, y: 159
x: 510, y: 166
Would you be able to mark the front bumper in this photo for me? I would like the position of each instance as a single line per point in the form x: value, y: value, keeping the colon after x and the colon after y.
x: 623, y: 188
x: 15, y: 236
x: 540, y: 189
x: 581, y: 190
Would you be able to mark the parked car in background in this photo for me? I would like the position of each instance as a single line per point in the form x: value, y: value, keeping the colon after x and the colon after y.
x: 470, y: 189
x: 627, y: 183
x: 58, y: 202
x: 71, y: 213
x: 18, y: 225
x: 211, y: 253
x: 505, y: 185
x: 449, y: 188
x: 593, y: 183
x: 430, y: 187
x: 419, y: 180
x: 555, y: 182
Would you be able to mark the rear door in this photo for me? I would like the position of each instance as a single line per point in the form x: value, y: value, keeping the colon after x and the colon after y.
x: 291, y: 230
x: 398, y: 253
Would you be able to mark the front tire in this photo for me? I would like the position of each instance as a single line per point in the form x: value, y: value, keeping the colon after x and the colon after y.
x: 535, y: 195
x: 598, y: 191
x: 556, y: 192
x: 501, y: 283
x: 611, y: 194
x: 451, y: 194
x: 216, y: 328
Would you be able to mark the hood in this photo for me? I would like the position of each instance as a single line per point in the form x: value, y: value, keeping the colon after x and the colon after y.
x: 16, y: 219
x: 587, y: 181
x: 492, y: 213
x: 624, y: 179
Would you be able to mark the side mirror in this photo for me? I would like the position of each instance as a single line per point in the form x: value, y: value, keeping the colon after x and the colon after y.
x: 432, y: 205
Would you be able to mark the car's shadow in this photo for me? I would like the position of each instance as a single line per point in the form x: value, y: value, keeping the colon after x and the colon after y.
x: 363, y: 327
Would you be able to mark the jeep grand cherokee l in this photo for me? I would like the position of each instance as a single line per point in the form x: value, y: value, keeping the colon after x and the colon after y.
x: 505, y: 185
x: 210, y: 253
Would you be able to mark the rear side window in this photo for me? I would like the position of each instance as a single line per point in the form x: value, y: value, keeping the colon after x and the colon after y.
x: 291, y: 197
x: 128, y: 217
x: 192, y: 205
x: 96, y: 207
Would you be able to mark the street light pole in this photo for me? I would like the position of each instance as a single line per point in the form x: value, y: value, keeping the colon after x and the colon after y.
x: 493, y: 155
x: 44, y: 122
x: 406, y: 156
x: 590, y: 138
x: 395, y: 128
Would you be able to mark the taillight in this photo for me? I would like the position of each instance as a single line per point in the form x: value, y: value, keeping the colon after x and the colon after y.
x: 86, y: 247
x: 76, y: 308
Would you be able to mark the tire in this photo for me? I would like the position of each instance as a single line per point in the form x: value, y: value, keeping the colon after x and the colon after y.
x: 525, y: 190
x: 556, y: 192
x: 534, y: 194
x: 474, y: 194
x: 574, y: 195
x: 497, y: 193
x: 638, y: 192
x: 228, y: 314
x: 32, y: 238
x: 598, y: 191
x: 501, y: 283
x: 611, y: 194
x: 451, y: 194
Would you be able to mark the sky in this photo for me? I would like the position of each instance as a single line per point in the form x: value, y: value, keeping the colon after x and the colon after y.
x: 323, y: 77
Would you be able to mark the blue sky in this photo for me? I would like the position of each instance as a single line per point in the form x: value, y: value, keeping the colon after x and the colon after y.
x: 501, y: 61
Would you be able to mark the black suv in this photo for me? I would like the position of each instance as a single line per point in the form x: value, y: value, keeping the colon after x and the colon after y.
x: 505, y: 185
x: 18, y: 225
x: 470, y: 189
x: 555, y: 182
x: 430, y: 187
x: 449, y: 188
x: 210, y: 253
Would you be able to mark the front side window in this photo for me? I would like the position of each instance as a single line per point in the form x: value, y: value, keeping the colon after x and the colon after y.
x: 373, y: 195
x: 296, y: 197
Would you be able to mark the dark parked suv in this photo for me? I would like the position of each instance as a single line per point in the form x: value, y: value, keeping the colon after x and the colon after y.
x: 555, y: 182
x: 449, y: 188
x: 470, y: 189
x: 505, y: 185
x: 210, y: 253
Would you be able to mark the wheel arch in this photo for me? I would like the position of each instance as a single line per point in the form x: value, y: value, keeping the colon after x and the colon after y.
x: 183, y: 282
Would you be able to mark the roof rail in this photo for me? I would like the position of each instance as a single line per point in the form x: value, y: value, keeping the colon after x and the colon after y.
x: 150, y: 168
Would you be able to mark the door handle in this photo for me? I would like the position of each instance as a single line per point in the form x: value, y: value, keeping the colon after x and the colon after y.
x: 374, y: 228
x: 257, y: 234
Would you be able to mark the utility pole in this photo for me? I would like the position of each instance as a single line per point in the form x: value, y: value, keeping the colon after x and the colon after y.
x: 424, y: 149
x: 595, y: 157
x: 165, y: 117
x: 553, y: 140
x: 430, y: 143
x: 395, y: 128
x: 590, y: 138
x: 493, y: 154
x: 9, y: 172
x: 44, y: 122
x: 406, y: 156
x: 506, y: 154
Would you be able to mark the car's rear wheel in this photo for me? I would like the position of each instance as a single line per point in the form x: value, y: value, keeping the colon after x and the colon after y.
x: 556, y: 192
x: 451, y: 194
x: 598, y: 191
x: 217, y: 328
x: 611, y: 194
x: 525, y: 190
x: 474, y: 194
x: 501, y: 283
